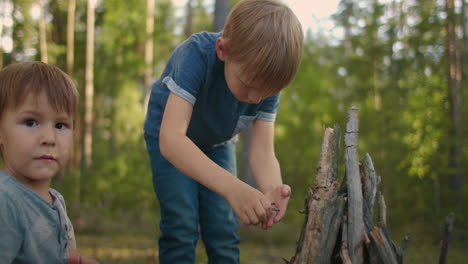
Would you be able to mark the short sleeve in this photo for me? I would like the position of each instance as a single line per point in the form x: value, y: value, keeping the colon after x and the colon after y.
x: 268, y: 108
x: 10, y: 232
x: 186, y: 70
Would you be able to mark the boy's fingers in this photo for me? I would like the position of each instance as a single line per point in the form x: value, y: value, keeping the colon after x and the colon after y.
x: 285, y: 190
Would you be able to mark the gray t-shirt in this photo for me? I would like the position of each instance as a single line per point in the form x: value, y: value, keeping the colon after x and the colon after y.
x: 31, y: 229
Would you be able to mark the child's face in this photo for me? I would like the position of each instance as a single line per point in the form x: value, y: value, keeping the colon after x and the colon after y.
x: 243, y: 91
x: 36, y: 141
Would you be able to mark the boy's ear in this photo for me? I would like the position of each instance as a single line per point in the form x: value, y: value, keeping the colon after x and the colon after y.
x: 220, y: 48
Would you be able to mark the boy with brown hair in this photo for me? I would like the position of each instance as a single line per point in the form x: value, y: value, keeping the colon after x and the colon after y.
x: 37, y: 105
x: 214, y: 86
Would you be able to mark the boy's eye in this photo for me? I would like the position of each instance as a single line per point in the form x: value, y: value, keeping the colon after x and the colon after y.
x: 61, y: 125
x: 30, y: 122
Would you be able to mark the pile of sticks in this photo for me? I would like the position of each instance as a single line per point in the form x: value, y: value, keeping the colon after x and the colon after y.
x: 339, y: 218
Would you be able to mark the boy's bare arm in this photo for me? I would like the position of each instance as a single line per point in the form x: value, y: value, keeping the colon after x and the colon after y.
x: 266, y: 169
x: 250, y: 205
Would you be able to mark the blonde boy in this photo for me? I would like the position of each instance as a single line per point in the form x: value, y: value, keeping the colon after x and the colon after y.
x: 216, y: 85
x: 37, y: 105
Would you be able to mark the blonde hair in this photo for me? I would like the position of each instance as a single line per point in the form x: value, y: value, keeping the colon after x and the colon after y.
x: 19, y: 80
x: 267, y: 39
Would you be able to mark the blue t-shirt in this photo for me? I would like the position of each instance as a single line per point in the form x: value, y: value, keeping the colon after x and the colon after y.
x: 31, y: 229
x: 195, y: 73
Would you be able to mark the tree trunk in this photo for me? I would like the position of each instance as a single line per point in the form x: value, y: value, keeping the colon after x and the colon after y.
x: 2, y: 15
x: 189, y: 23
x: 455, y: 152
x: 71, y: 36
x: 149, y: 48
x: 221, y: 12
x: 449, y: 223
x: 89, y: 88
x: 465, y: 41
x: 42, y: 32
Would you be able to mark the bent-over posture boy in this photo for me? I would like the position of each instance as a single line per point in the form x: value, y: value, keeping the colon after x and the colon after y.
x: 214, y: 86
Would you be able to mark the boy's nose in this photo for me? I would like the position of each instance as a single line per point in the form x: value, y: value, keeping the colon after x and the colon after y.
x: 48, y: 135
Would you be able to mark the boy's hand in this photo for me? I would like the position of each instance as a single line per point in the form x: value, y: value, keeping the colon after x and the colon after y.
x: 75, y: 258
x: 280, y: 198
x: 250, y: 205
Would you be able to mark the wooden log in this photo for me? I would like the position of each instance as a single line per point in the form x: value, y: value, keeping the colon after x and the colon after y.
x: 334, y: 218
x: 344, y: 253
x: 449, y: 223
x: 400, y: 252
x: 353, y: 180
x: 369, y: 191
x: 382, y: 209
x: 323, y: 206
x: 379, y: 236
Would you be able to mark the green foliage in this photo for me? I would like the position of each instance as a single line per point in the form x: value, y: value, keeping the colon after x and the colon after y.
x: 391, y: 64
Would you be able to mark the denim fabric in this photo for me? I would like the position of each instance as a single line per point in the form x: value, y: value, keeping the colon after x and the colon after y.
x: 188, y: 208
x: 195, y: 73
x: 31, y: 229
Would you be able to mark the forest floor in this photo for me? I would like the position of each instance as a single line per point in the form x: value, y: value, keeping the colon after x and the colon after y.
x: 257, y: 247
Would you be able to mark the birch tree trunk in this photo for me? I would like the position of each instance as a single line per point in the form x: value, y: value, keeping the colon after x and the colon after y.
x: 42, y: 32
x: 2, y: 15
x: 89, y: 88
x: 78, y: 135
x: 71, y: 36
x: 456, y: 176
x: 149, y: 54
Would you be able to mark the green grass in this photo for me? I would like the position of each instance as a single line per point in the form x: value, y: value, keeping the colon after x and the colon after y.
x: 257, y: 247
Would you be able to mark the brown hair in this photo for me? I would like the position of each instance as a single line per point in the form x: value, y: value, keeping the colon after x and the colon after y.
x: 18, y: 80
x: 267, y: 39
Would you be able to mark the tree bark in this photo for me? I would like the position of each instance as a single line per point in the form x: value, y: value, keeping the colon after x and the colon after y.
x: 221, y: 12
x: 344, y: 253
x: 465, y: 41
x: 449, y: 223
x: 89, y: 88
x: 42, y: 32
x: 2, y: 15
x: 353, y: 180
x: 380, y: 238
x: 371, y: 180
x: 189, y: 23
x: 149, y: 51
x: 369, y: 191
x: 324, y: 206
x: 455, y: 152
x: 71, y: 36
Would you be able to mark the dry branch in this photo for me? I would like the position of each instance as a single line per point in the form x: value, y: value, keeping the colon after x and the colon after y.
x: 353, y: 180
x: 344, y: 254
x: 379, y: 237
x: 323, y: 206
x: 449, y: 223
x: 382, y: 209
x: 350, y: 206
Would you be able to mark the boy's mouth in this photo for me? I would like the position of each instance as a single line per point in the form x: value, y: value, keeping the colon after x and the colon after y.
x: 46, y: 157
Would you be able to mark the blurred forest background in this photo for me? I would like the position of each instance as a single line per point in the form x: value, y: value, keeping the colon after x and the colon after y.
x: 402, y: 63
